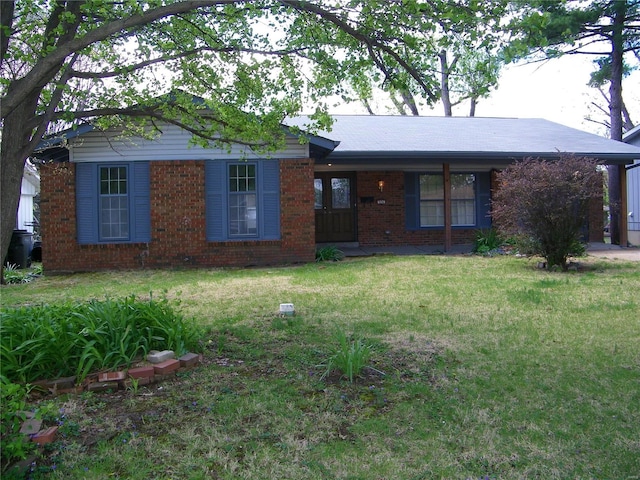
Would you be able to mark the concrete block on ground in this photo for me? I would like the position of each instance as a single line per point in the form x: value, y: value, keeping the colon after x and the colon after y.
x: 57, y: 384
x: 166, y: 367
x: 111, y: 376
x: 287, y: 309
x: 189, y: 360
x: 141, y: 372
x: 159, y: 357
x: 31, y: 426
x: 45, y: 436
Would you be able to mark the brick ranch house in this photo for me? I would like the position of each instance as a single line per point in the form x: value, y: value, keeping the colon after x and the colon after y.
x: 109, y: 202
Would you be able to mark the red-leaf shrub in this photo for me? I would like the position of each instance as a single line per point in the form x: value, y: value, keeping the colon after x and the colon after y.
x: 546, y: 203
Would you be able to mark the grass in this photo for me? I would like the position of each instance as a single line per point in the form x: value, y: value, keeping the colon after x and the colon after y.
x: 492, y: 368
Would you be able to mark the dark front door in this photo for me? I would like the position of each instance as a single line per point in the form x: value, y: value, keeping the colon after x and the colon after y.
x: 335, y: 207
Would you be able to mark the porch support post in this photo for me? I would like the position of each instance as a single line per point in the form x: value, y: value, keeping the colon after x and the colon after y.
x: 624, y: 224
x: 446, y: 175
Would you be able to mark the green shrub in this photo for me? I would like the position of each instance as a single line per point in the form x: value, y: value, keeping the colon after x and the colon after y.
x: 14, y: 445
x: 486, y: 241
x: 349, y: 357
x: 50, y: 341
x: 329, y: 253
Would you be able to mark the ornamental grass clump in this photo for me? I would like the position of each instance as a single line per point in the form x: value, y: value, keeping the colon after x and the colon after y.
x: 350, y: 356
x: 74, y: 339
x: 330, y: 253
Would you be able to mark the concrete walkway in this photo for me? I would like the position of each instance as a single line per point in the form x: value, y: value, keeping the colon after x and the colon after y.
x: 606, y: 250
x: 603, y: 250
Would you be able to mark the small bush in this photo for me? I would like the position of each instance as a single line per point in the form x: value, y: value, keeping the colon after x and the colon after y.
x: 486, y: 241
x: 50, y: 341
x: 545, y: 204
x: 329, y: 253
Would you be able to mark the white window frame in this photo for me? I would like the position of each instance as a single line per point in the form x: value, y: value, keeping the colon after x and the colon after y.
x: 431, y: 209
x: 113, y: 206
x: 242, y: 206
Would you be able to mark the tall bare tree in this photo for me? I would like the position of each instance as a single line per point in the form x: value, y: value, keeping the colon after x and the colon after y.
x: 607, y: 30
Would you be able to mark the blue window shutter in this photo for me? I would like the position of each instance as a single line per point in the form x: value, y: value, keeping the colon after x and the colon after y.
x: 215, y: 204
x: 483, y: 193
x: 269, y: 178
x: 411, y: 207
x: 87, y: 203
x: 140, y: 204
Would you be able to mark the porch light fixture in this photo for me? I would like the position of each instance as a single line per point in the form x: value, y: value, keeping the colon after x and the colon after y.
x: 380, y: 185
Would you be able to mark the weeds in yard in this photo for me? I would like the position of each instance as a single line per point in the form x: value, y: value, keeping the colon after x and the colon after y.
x: 13, y: 274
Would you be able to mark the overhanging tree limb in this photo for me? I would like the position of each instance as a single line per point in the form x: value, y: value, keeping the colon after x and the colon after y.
x: 370, y: 42
x: 45, y: 68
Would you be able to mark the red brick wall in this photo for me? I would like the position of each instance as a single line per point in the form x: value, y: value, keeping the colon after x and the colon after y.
x: 297, y: 214
x: 596, y: 218
x: 178, y: 236
x: 385, y: 224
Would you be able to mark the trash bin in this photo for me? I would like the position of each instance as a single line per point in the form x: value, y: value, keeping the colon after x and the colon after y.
x: 36, y: 251
x: 19, y: 253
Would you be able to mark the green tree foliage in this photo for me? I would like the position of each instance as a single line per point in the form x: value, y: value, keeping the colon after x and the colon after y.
x: 546, y: 204
x: 607, y: 30
x: 253, y: 63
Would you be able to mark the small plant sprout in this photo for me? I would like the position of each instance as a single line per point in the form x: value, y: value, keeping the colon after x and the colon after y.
x: 135, y: 383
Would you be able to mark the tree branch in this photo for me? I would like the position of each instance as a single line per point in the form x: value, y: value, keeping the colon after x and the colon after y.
x: 6, y: 22
x: 138, y: 66
x: 368, y: 41
x: 45, y: 68
x: 44, y: 119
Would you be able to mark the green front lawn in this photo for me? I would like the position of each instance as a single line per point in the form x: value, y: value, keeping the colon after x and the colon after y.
x: 482, y: 367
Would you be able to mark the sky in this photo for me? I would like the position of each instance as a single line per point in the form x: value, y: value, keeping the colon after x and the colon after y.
x: 555, y: 90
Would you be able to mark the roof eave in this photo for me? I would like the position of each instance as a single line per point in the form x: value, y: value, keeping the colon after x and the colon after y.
x: 378, y: 156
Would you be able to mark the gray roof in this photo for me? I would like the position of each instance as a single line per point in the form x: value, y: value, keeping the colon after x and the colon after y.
x: 464, y: 138
x: 632, y: 136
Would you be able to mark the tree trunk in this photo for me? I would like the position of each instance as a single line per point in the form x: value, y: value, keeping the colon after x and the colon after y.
x: 444, y: 84
x: 410, y: 102
x: 20, y: 132
x: 472, y: 109
x: 618, y: 217
x: 12, y: 168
